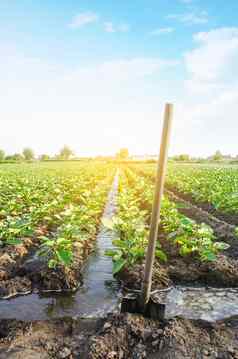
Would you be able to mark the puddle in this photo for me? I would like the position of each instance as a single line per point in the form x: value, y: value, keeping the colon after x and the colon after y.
x: 98, y: 295
x: 209, y: 304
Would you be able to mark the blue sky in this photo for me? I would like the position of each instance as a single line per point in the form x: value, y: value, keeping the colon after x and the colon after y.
x: 96, y: 75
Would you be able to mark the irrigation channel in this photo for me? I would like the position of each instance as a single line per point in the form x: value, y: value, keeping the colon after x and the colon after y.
x: 100, y: 293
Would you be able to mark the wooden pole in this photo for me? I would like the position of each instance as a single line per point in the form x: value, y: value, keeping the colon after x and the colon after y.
x: 155, y: 217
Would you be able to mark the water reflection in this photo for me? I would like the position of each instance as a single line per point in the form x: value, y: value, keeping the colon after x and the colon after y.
x: 98, y: 295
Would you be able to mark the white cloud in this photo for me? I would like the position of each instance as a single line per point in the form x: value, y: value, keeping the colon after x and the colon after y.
x: 215, y: 59
x: 101, y: 107
x: 113, y: 82
x: 110, y: 27
x: 162, y: 30
x: 95, y: 109
x: 190, y: 18
x: 211, y: 95
x: 83, y: 19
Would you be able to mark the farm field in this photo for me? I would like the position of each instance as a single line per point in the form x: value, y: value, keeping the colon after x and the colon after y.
x: 213, y: 188
x: 51, y: 214
x: 49, y: 218
x: 195, y: 249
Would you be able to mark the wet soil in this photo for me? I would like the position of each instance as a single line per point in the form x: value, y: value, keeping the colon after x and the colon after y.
x: 22, y: 271
x: 178, y: 270
x: 21, y: 275
x: 120, y: 336
x: 127, y: 336
x: 57, y: 298
x: 65, y: 338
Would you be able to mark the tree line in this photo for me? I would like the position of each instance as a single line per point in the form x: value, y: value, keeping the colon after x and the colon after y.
x: 216, y: 157
x: 28, y: 154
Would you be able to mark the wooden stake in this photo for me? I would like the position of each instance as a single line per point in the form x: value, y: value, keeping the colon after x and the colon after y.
x: 155, y: 217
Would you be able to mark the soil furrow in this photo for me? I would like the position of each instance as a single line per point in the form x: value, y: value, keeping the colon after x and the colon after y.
x: 228, y: 218
x: 223, y: 231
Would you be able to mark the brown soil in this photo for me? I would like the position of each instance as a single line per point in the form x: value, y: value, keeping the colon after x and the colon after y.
x: 15, y: 286
x: 206, y: 206
x: 223, y: 231
x: 21, y: 273
x: 121, y: 336
x: 59, y: 339
x: 11, y: 257
x: 135, y: 337
x: 223, y: 272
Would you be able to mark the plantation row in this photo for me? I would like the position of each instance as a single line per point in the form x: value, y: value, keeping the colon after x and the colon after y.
x: 218, y: 186
x: 49, y: 215
x: 132, y: 225
x: 214, y: 189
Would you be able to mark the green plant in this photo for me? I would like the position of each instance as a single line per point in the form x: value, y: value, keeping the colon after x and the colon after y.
x: 130, y: 249
x: 131, y: 226
x: 217, y: 186
x: 135, y: 202
x: 57, y: 251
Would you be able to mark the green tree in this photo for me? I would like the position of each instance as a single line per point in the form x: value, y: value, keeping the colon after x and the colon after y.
x: 28, y: 154
x: 44, y: 157
x: 65, y: 153
x: 217, y: 156
x: 123, y: 154
x: 17, y: 157
x: 183, y: 157
x: 2, y: 155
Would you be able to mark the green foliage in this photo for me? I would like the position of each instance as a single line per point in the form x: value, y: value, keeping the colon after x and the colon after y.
x: 2, y: 155
x: 66, y: 201
x: 28, y: 154
x: 58, y: 251
x: 215, y: 185
x: 217, y: 156
x: 132, y: 222
x: 123, y: 154
x: 236, y: 231
x: 44, y: 157
x: 182, y: 157
x: 17, y: 157
x: 190, y: 236
x: 131, y: 226
x: 65, y: 153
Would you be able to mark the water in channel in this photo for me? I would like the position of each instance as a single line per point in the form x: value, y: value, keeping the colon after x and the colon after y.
x: 100, y: 292
x: 95, y: 298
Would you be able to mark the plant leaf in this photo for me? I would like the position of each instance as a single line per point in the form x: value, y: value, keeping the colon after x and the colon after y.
x: 64, y: 256
x: 14, y: 242
x: 118, y: 265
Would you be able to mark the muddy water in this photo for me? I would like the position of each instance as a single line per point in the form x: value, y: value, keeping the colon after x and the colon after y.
x: 98, y: 295
x: 208, y: 304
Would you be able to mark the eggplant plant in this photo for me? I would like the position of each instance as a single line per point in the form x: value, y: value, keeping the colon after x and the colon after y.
x: 132, y: 226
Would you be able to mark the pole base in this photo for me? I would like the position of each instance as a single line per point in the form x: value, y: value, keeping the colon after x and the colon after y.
x: 154, y: 310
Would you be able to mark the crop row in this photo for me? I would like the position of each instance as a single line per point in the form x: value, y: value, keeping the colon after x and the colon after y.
x: 65, y: 201
x: 213, y: 188
x: 132, y: 225
x: 217, y: 186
